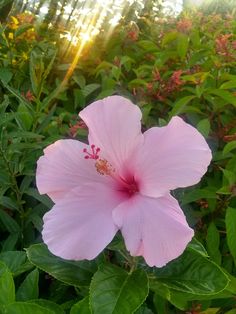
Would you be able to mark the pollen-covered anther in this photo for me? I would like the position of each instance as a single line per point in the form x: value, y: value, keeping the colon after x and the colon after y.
x: 103, y: 167
x: 93, y: 154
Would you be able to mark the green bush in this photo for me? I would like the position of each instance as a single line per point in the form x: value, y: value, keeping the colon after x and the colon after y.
x: 183, y: 66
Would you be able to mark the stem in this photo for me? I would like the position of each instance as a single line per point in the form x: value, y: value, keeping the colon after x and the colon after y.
x: 133, y: 265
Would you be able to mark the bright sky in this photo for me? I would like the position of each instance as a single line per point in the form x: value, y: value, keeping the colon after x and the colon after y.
x: 173, y: 5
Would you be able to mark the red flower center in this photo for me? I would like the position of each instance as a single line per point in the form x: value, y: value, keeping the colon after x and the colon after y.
x: 129, y: 187
x: 126, y: 185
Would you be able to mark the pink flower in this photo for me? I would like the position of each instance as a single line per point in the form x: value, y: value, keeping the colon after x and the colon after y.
x: 122, y: 181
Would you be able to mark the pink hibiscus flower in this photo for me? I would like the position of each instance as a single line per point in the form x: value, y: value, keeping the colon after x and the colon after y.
x: 121, y: 181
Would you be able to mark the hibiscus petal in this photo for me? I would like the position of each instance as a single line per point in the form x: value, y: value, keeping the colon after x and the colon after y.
x: 63, y: 167
x: 155, y: 228
x: 80, y: 226
x: 115, y: 127
x: 173, y: 156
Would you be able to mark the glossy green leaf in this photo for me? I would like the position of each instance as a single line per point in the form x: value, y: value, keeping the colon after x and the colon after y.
x: 213, y: 243
x: 89, y: 89
x: 41, y: 198
x: 204, y: 127
x: 24, y: 119
x: 180, y: 105
x: 10, y: 242
x: 160, y: 304
x: 230, y: 221
x: 197, y: 246
x: 10, y: 224
x: 7, y: 286
x: 28, y: 290
x: 81, y: 307
x: 70, y: 272
x: 192, y: 273
x: 225, y: 95
x: 8, y: 202
x: 197, y: 194
x: 16, y: 261
x: 54, y: 307
x: 144, y: 310
x: 114, y: 291
x: 229, y: 147
x: 26, y: 308
x: 179, y: 300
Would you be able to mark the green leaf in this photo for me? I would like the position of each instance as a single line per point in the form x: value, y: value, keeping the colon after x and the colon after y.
x: 105, y: 93
x: 116, y: 73
x: 5, y: 75
x: 148, y: 45
x: 46, y: 121
x: 180, y: 105
x: 10, y: 242
x: 213, y: 243
x: 16, y: 261
x: 55, y: 308
x: 28, y: 290
x: 79, y: 99
x: 7, y: 287
x: 198, y: 247
x: 137, y: 83
x: 228, y: 85
x: 197, y: 194
x: 81, y: 307
x: 204, y: 127
x: 229, y: 176
x: 79, y: 79
x: 179, y: 300
x: 40, y: 66
x: 21, y: 99
x: 193, y: 273
x: 36, y: 72
x: 26, y: 135
x: 144, y: 310
x: 230, y: 221
x: 228, y: 147
x: 160, y: 304
x: 225, y: 95
x: 41, y: 198
x: 26, y: 308
x: 10, y: 224
x: 24, y: 118
x: 89, y: 89
x: 113, y: 290
x: 8, y: 202
x: 169, y: 37
x: 182, y: 45
x: 70, y: 272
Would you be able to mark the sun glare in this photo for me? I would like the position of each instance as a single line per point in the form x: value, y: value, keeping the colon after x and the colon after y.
x: 79, y: 24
